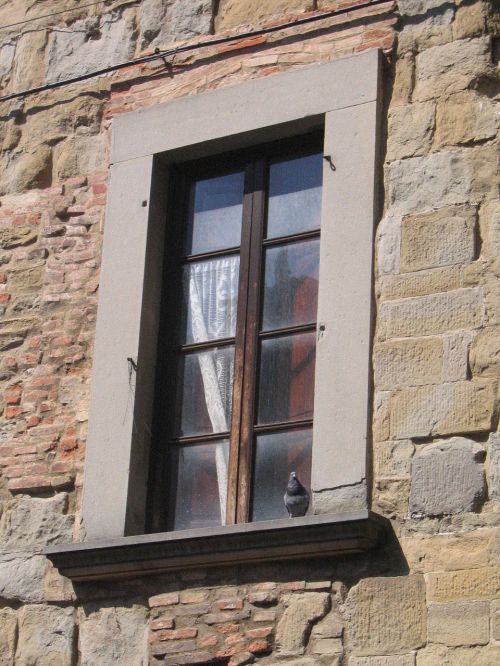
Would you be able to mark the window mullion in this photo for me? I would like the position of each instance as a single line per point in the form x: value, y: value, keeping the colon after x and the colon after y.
x: 239, y: 352
x: 251, y: 343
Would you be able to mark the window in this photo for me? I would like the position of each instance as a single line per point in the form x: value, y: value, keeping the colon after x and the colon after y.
x: 237, y: 379
x: 343, y: 97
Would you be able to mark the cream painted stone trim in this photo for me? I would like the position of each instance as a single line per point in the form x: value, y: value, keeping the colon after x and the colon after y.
x: 342, y: 95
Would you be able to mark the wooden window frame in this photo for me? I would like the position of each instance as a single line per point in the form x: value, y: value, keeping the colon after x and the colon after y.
x: 345, y: 96
x: 255, y: 164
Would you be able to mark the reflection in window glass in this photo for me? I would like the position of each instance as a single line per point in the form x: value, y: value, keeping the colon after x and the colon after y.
x: 215, y: 213
x: 286, y: 378
x: 200, y: 485
x: 294, y: 196
x: 290, y: 284
x: 210, y: 292
x: 276, y: 455
x: 204, y: 392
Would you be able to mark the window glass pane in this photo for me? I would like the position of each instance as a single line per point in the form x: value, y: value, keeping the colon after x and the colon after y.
x: 210, y: 292
x: 290, y: 284
x: 215, y: 210
x: 294, y: 195
x: 286, y: 380
x: 200, y: 483
x: 204, y: 392
x: 276, y: 455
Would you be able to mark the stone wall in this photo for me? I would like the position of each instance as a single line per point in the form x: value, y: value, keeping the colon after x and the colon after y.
x: 431, y: 594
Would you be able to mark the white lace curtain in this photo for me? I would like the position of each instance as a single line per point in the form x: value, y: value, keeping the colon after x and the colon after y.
x: 212, y: 291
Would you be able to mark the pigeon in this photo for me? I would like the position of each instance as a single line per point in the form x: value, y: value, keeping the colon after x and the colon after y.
x: 296, y: 497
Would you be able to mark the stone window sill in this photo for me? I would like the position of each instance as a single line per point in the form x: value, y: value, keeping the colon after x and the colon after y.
x: 311, y: 536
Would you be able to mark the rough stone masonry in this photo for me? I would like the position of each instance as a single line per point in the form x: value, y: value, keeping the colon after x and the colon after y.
x: 430, y: 595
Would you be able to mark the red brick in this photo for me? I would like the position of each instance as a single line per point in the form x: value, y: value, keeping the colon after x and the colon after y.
x: 228, y: 652
x: 227, y: 628
x: 11, y: 412
x: 4, y: 297
x: 167, y: 599
x: 29, y: 483
x: 259, y: 646
x: 193, y: 596
x: 176, y: 634
x: 230, y: 604
x: 99, y: 188
x: 207, y: 641
x: 241, y: 659
x: 294, y: 585
x: 162, y: 623
x: 261, y: 632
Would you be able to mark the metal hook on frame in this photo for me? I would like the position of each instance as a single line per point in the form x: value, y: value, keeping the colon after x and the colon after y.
x: 328, y: 158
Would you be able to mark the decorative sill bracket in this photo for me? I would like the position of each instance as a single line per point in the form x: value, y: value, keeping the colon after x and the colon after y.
x: 311, y: 536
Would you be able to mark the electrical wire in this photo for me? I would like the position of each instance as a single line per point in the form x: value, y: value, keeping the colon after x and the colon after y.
x: 162, y: 55
x: 44, y: 16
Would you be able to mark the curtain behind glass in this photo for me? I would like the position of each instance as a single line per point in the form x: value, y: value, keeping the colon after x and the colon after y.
x: 211, y: 289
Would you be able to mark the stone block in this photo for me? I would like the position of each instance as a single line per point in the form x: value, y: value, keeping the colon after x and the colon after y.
x: 485, y: 353
x: 440, y: 238
x: 90, y: 44
x: 381, y: 415
x: 30, y: 524
x: 164, y: 21
x: 8, y: 632
x: 234, y: 13
x: 327, y: 646
x: 432, y: 314
x: 114, y: 636
x: 489, y: 224
x: 421, y: 283
x: 78, y: 116
x: 11, y: 237
x: 482, y: 583
x: 419, y: 7
x: 28, y: 170
x: 403, y: 80
x: 495, y: 620
x: 418, y: 184
x: 79, y: 155
x: 447, y: 477
x: 485, y: 167
x: 451, y: 67
x: 388, y: 245
x: 7, y: 52
x: 22, y: 577
x: 340, y: 500
x: 28, y: 68
x: 448, y: 552
x: 456, y: 356
x: 461, y: 623
x: 494, y: 465
x: 393, y: 459
x: 390, y: 497
x: 330, y: 627
x: 408, y: 362
x: 293, y: 629
x: 410, y: 130
x: 46, y: 636
x: 443, y: 409
x: 26, y: 276
x: 465, y: 118
x: 387, y: 660
x: 470, y: 20
x: 387, y: 615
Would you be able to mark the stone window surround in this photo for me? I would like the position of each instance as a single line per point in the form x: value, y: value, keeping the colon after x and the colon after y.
x: 344, y: 97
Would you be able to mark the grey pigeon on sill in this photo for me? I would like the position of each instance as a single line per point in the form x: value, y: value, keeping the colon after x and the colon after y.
x: 296, y: 497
